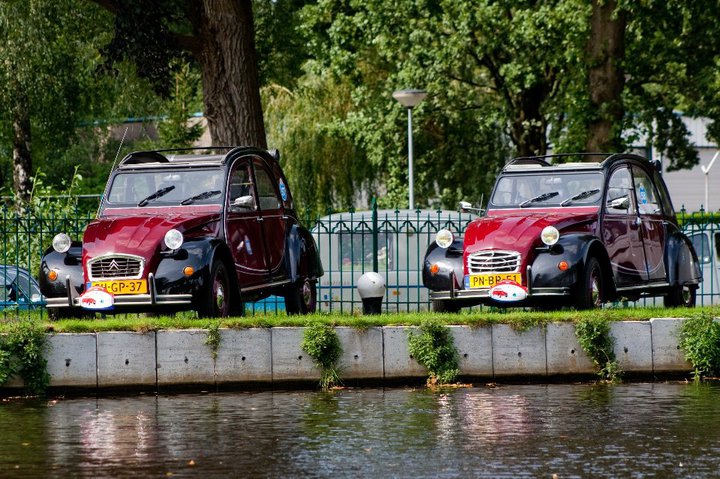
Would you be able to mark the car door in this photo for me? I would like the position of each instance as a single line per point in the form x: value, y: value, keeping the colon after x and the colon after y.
x: 244, y: 226
x: 273, y: 219
x: 652, y: 224
x: 621, y: 230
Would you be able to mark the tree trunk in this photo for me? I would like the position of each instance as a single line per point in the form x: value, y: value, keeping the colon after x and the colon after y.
x: 529, y: 127
x: 231, y: 90
x: 606, y: 79
x: 22, y: 161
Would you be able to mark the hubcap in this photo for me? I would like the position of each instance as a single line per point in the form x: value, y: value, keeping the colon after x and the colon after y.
x: 686, y: 295
x: 307, y: 295
x: 595, y: 289
x: 219, y: 295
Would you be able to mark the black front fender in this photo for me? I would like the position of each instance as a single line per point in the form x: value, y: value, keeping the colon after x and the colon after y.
x: 66, y: 265
x: 574, y: 250
x: 449, y: 264
x: 197, y: 253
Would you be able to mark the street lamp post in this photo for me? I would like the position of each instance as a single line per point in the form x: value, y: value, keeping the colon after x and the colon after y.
x: 706, y: 171
x: 409, y: 99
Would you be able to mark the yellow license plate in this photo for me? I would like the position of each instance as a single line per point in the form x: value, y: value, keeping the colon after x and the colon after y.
x: 490, y: 280
x: 124, y: 286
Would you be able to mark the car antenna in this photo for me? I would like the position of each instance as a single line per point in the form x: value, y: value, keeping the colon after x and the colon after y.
x: 102, y: 196
x: 117, y: 155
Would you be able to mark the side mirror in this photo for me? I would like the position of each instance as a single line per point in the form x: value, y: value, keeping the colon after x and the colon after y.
x: 467, y: 207
x: 244, y: 202
x: 621, y: 203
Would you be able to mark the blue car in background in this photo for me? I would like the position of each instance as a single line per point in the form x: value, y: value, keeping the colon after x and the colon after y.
x: 19, y: 289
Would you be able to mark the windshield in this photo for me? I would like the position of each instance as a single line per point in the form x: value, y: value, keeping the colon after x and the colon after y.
x: 536, y: 190
x: 167, y: 188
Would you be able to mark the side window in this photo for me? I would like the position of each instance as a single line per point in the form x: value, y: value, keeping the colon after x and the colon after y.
x: 356, y: 250
x: 645, y: 193
x: 241, y: 196
x: 619, y: 193
x: 266, y: 189
x: 702, y: 248
x: 664, y: 195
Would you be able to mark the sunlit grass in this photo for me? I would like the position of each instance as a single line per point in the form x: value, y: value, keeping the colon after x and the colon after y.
x: 517, y: 318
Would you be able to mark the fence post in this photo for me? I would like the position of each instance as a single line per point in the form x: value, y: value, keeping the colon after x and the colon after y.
x: 375, y: 234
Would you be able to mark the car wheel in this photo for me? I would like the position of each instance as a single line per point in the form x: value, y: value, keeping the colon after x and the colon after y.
x: 444, y: 306
x: 681, y: 296
x: 216, y: 299
x: 591, y: 287
x: 301, y: 298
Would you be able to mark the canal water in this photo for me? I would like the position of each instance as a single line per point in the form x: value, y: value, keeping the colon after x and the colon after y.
x: 578, y: 430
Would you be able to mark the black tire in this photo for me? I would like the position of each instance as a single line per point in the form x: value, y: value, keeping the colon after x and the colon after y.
x: 590, y: 292
x: 215, y: 301
x: 301, y: 297
x: 446, y: 306
x: 681, y: 296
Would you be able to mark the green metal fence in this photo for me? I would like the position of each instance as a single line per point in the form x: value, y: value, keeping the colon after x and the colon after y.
x: 391, y: 242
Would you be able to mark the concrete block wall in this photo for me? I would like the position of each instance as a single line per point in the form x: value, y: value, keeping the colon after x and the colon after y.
x: 274, y: 355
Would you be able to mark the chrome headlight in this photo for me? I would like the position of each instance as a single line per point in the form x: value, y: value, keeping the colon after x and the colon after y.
x: 61, y: 243
x: 444, y: 238
x: 550, y: 235
x: 174, y: 239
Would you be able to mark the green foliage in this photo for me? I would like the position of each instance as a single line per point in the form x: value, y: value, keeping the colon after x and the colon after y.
x: 434, y: 349
x: 213, y: 338
x: 321, y: 342
x: 700, y: 341
x: 325, y: 169
x: 26, y: 234
x: 593, y: 334
x: 176, y: 131
x: 21, y: 353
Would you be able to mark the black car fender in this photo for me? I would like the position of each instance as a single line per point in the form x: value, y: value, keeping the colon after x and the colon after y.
x: 301, y: 256
x: 197, y: 253
x: 574, y: 249
x: 683, y: 267
x: 449, y: 261
x: 65, y: 264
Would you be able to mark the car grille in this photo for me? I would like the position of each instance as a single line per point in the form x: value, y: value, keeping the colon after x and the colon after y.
x: 493, y: 261
x: 115, y: 266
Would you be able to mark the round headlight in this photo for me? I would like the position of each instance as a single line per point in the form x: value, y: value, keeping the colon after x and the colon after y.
x: 550, y: 235
x: 61, y: 243
x: 174, y: 239
x: 444, y: 238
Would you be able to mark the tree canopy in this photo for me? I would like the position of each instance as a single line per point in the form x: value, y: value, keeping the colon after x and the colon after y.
x: 504, y: 78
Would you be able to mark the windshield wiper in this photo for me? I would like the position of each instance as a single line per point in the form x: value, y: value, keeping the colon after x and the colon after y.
x: 580, y: 196
x: 539, y: 198
x: 201, y: 196
x: 157, y: 194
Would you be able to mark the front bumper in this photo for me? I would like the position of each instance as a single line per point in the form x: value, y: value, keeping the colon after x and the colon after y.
x: 150, y: 299
x: 483, y: 294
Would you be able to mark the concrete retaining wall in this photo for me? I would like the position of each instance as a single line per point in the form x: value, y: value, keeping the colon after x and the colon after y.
x: 274, y: 356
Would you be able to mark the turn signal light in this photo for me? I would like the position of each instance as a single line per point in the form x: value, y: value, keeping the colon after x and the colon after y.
x: 188, y: 270
x: 563, y: 265
x: 434, y: 268
x: 52, y: 275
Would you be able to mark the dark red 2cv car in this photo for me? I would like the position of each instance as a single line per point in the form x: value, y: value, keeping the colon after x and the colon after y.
x: 561, y: 233
x: 178, y: 231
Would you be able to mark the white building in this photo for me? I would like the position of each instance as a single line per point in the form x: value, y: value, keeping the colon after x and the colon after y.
x: 688, y: 187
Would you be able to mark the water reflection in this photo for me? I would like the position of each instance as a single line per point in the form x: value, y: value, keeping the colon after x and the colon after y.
x: 629, y: 430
